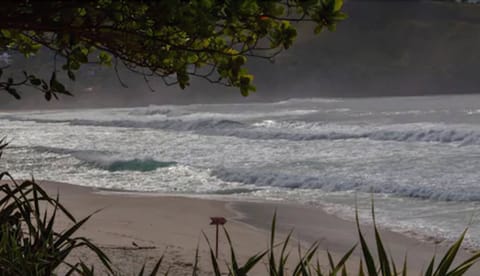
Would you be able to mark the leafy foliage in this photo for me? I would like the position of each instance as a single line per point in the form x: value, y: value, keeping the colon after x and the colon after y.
x: 305, y: 266
x: 170, y: 39
x: 29, y: 243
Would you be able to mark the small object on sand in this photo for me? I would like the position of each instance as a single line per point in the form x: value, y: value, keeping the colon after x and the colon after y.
x: 134, y: 244
x: 217, y: 221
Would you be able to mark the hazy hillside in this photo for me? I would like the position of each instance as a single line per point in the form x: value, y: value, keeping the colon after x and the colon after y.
x: 384, y: 48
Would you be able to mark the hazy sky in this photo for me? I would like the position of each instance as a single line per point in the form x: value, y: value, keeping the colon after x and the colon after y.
x: 385, y: 48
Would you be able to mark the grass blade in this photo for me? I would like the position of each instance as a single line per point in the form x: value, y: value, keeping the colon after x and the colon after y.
x: 369, y: 262
x: 343, y: 260
x: 157, y: 266
x: 195, y: 263
x: 216, y: 268
x: 449, y: 256
x: 463, y: 267
x: 429, y: 271
x: 382, y: 254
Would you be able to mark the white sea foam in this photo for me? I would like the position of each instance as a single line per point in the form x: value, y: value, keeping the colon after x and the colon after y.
x: 460, y: 135
x: 422, y: 152
x: 308, y: 101
x: 340, y: 183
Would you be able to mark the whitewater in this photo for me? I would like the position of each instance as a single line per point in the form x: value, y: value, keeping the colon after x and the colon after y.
x: 418, y: 157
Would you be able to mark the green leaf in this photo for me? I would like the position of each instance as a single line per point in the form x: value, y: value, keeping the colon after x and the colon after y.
x: 71, y: 75
x: 343, y: 260
x: 318, y: 29
x: 449, y: 256
x: 360, y: 269
x: 13, y: 92
x: 463, y: 267
x: 332, y: 27
x: 35, y: 81
x: 6, y: 33
x: 74, y: 65
x: 48, y: 96
x: 370, y: 263
x: 429, y: 271
x: 44, y: 85
x: 105, y: 58
x: 382, y: 255
x: 339, y: 16
x: 244, y: 91
x: 192, y: 59
x: 337, y: 5
x: 58, y: 87
x: 216, y: 268
x: 82, y: 11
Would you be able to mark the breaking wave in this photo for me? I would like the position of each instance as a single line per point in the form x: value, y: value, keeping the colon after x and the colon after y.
x: 151, y: 110
x: 460, y: 135
x: 307, y: 100
x: 338, y: 184
x: 110, y: 161
x: 176, y: 125
x: 141, y: 165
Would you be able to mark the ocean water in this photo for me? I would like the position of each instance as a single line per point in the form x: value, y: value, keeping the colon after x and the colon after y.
x: 418, y: 157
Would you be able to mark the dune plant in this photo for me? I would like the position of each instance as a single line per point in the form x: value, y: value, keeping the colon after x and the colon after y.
x: 385, y: 265
x: 276, y: 262
x: 277, y: 256
x: 29, y: 242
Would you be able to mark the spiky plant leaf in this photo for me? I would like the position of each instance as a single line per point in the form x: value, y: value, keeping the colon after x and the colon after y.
x: 449, y: 256
x: 343, y: 260
x: 360, y: 269
x: 465, y: 266
x: 382, y: 254
x: 429, y: 271
x: 216, y: 268
x: 195, y: 262
x: 157, y: 267
x: 369, y: 262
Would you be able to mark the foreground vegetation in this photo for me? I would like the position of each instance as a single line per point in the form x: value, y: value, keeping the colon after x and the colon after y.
x: 31, y: 244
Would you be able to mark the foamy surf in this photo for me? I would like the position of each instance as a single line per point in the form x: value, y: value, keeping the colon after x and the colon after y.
x: 411, y: 153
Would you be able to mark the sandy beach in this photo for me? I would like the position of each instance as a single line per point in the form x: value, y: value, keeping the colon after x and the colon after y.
x: 134, y: 228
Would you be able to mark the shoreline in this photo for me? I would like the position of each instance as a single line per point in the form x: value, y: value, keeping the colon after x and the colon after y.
x: 180, y: 220
x: 235, y: 203
x: 338, y: 235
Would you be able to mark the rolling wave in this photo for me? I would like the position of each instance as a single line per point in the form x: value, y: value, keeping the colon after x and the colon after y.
x: 330, y: 183
x: 141, y: 165
x: 176, y: 125
x: 152, y: 110
x: 110, y: 161
x: 460, y: 135
x: 307, y: 100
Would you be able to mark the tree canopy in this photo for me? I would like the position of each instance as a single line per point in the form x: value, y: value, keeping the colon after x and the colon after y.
x: 170, y: 39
